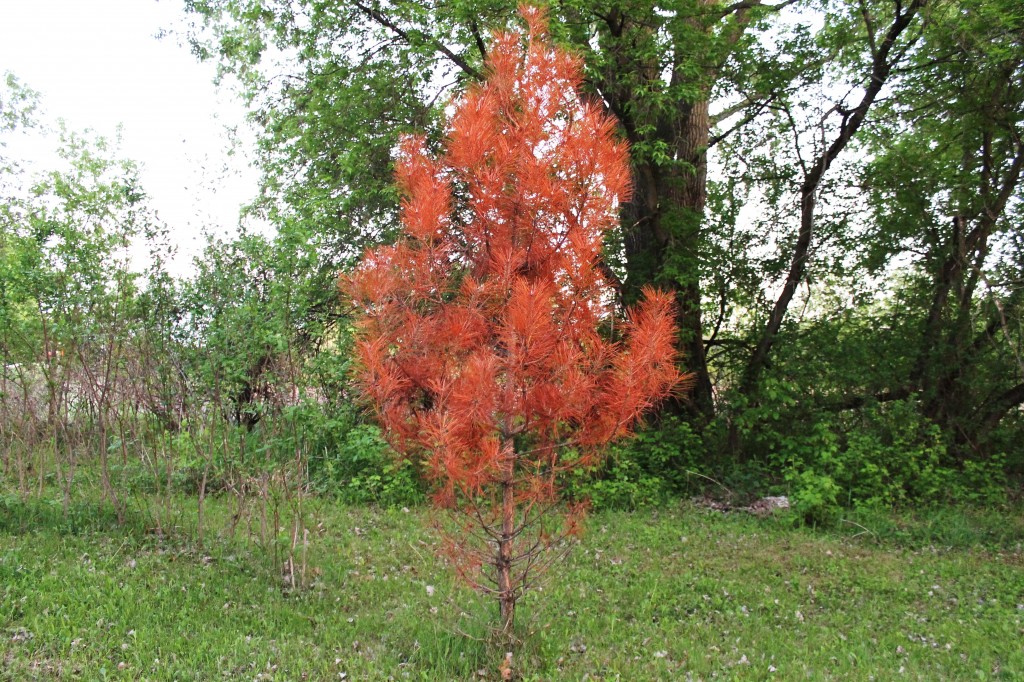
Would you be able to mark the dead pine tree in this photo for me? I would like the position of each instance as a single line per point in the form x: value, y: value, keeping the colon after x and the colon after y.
x: 486, y: 336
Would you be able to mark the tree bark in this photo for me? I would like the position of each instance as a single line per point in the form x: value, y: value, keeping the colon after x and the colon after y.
x: 662, y: 240
x: 663, y: 221
x: 687, y: 193
x: 503, y: 560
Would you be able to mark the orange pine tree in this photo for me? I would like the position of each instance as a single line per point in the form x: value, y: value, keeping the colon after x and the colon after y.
x: 486, y: 340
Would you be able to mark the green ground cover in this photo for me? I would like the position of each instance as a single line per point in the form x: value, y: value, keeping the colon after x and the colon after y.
x: 674, y: 594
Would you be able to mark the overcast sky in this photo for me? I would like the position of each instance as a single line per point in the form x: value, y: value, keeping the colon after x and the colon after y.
x: 99, y: 63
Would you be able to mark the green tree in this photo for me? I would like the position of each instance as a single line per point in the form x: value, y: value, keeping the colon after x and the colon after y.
x: 367, y: 71
x: 67, y: 300
x: 795, y: 165
x: 945, y: 188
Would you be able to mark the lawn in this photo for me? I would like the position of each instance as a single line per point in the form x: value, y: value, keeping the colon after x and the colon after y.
x: 673, y: 594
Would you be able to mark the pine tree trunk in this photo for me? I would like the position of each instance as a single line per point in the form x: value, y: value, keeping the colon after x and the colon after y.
x: 506, y: 590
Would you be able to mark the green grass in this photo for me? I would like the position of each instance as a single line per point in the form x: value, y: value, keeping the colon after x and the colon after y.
x: 654, y: 595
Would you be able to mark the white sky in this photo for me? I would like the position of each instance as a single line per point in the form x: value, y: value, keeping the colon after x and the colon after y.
x: 98, y: 63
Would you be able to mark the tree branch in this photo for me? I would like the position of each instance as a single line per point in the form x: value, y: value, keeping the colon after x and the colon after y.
x: 881, y: 67
x: 411, y: 39
x: 723, y: 302
x: 474, y: 27
x: 744, y: 5
x: 857, y: 401
x: 996, y: 408
x: 751, y: 115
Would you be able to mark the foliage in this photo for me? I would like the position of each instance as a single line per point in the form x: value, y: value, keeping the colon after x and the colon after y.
x: 829, y: 189
x: 796, y: 166
x: 356, y: 464
x: 653, y: 468
x: 813, y: 496
x: 479, y: 344
x: 887, y: 455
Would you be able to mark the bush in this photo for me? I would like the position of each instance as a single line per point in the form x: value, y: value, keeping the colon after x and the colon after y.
x: 813, y: 497
x: 894, y: 456
x: 344, y: 458
x: 650, y: 469
x: 620, y: 483
x: 368, y: 470
x: 883, y: 456
x: 358, y: 466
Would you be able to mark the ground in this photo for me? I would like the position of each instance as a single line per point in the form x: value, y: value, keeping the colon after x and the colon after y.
x: 671, y: 594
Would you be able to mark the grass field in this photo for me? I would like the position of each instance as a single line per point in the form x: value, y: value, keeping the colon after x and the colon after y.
x: 654, y: 595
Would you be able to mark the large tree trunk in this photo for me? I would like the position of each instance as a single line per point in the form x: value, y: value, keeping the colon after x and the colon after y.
x: 662, y: 239
x: 662, y: 223
x: 687, y: 193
